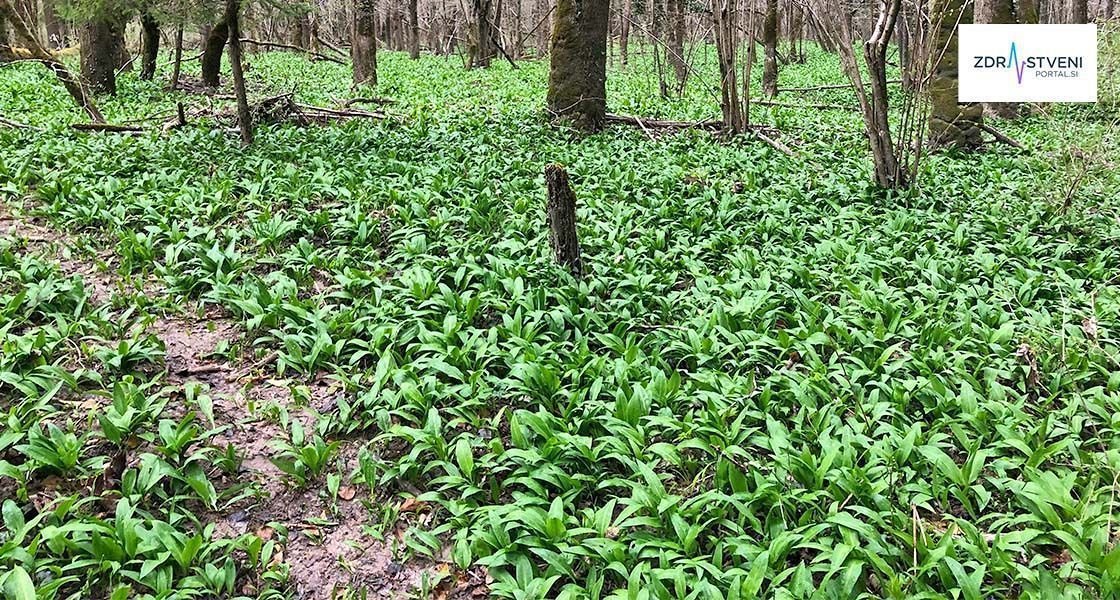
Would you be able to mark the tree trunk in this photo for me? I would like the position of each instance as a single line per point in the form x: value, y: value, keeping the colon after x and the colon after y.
x: 6, y: 53
x: 1000, y: 12
x: 726, y: 34
x: 543, y: 31
x: 624, y: 31
x: 24, y: 35
x: 1028, y: 12
x: 950, y: 123
x: 363, y: 44
x: 212, y: 53
x: 244, y: 119
x: 149, y: 46
x: 53, y: 24
x: 561, y: 210
x: 1080, y: 12
x: 100, y: 54
x: 675, y: 42
x: 177, y: 64
x: 480, y: 38
x: 413, y: 30
x: 770, y: 43
x: 577, y: 80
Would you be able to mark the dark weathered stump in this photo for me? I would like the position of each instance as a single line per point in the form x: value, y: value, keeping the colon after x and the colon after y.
x: 562, y: 220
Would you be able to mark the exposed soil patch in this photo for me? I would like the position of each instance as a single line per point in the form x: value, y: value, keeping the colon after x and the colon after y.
x: 328, y: 549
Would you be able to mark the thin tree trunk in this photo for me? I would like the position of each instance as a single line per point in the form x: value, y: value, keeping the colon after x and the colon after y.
x: 363, y: 45
x: 723, y: 15
x: 149, y: 46
x: 177, y: 65
x: 244, y: 119
x: 212, y: 53
x: 577, y: 90
x: 675, y: 42
x: 770, y: 43
x: 624, y: 31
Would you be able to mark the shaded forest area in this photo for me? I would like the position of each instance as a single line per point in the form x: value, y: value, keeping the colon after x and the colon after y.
x: 551, y: 299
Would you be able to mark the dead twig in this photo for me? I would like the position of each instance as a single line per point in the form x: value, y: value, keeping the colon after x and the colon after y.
x: 1000, y: 137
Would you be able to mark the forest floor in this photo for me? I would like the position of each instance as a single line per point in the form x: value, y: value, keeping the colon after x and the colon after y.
x: 341, y: 362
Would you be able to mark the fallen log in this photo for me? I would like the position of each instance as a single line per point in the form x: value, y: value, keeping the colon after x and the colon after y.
x: 312, y: 53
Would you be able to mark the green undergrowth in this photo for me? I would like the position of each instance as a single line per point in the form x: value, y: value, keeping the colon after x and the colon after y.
x: 774, y: 381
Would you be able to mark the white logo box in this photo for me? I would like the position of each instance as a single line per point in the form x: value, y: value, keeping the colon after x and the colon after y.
x: 1028, y: 63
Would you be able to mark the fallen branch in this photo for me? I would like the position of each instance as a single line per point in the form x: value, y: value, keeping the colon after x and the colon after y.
x: 838, y: 86
x: 775, y: 144
x: 15, y: 124
x: 811, y: 106
x: 106, y: 127
x: 377, y: 101
x: 1000, y: 136
x: 312, y: 53
x: 707, y: 124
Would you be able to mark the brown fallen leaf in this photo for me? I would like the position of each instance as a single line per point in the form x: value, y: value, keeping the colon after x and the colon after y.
x: 346, y: 492
x: 412, y: 505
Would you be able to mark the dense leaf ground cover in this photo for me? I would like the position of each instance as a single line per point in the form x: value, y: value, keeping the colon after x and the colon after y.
x: 774, y: 381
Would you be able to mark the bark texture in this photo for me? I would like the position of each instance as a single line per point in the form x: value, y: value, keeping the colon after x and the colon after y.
x: 100, y: 54
x: 363, y: 46
x: 413, y: 30
x: 770, y: 43
x: 1080, y: 12
x: 675, y: 42
x: 212, y: 53
x: 177, y: 62
x: 244, y: 119
x: 149, y: 46
x: 562, y: 237
x: 577, y: 81
x: 724, y: 21
x: 624, y: 31
x: 950, y: 123
x: 480, y: 36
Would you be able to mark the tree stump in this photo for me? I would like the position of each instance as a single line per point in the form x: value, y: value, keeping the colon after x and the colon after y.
x: 562, y: 220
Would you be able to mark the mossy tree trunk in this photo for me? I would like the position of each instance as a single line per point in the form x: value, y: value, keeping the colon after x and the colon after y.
x: 951, y: 124
x: 149, y: 46
x: 100, y: 53
x: 1001, y: 12
x: 212, y: 53
x: 770, y: 43
x: 363, y: 44
x: 577, y: 81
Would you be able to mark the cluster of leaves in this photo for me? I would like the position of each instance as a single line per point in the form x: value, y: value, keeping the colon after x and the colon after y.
x: 773, y: 380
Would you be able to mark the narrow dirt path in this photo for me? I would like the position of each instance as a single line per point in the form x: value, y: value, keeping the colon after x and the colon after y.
x: 329, y: 550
